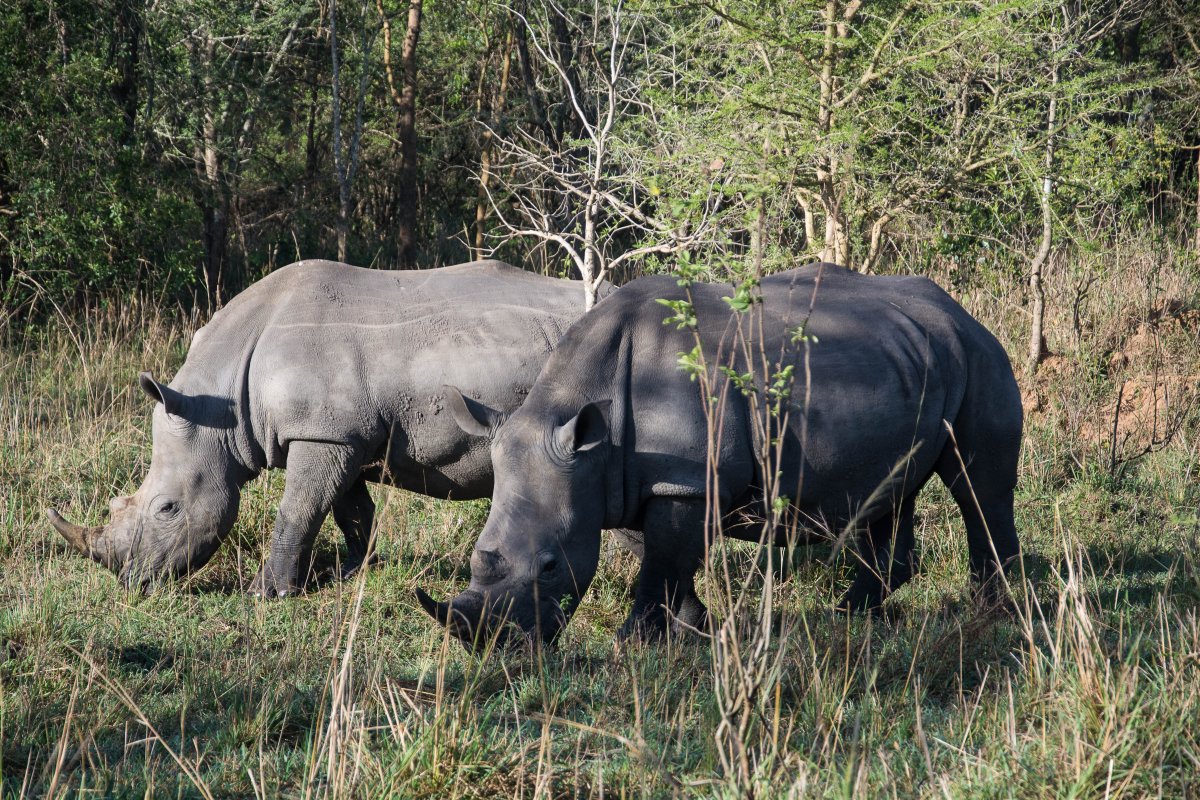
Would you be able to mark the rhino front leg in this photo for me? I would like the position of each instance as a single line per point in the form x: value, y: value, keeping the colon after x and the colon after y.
x: 318, y: 473
x: 354, y: 513
x: 673, y: 548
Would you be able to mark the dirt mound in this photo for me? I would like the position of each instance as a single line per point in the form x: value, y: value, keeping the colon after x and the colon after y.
x: 1153, y: 369
x: 1150, y: 340
x: 1152, y: 362
x: 1038, y: 391
x: 1146, y: 413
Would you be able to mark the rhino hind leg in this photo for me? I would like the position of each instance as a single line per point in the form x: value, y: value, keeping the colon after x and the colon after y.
x: 354, y: 513
x: 886, y: 559
x: 317, y: 474
x: 984, y: 495
x: 673, y: 548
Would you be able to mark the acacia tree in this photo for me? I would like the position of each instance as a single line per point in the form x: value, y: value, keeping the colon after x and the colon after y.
x: 862, y: 119
x: 571, y: 178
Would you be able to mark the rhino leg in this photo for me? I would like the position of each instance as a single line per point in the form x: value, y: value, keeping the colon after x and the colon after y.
x: 983, y: 492
x: 354, y: 513
x: 632, y: 541
x: 672, y: 552
x: 986, y: 504
x: 886, y: 559
x: 317, y: 474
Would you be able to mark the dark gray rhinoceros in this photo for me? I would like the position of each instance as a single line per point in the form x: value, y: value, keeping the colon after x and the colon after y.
x: 334, y: 373
x: 614, y: 435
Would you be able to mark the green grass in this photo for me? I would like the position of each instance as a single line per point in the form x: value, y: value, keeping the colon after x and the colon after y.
x: 1092, y: 689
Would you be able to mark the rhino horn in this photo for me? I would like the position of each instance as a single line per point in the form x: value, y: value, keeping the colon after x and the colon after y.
x: 462, y: 615
x: 77, y: 536
x: 434, y: 608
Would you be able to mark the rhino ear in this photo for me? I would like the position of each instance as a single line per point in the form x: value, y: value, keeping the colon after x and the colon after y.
x: 160, y: 393
x: 471, y: 415
x: 586, y: 430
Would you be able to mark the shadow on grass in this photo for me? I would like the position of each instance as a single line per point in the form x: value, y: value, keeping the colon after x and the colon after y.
x: 1114, y: 576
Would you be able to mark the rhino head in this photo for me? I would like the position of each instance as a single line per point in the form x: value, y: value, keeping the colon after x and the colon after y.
x: 540, y: 547
x: 185, y: 506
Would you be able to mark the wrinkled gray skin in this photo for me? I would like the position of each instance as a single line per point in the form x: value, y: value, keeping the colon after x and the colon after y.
x: 335, y: 373
x: 613, y: 435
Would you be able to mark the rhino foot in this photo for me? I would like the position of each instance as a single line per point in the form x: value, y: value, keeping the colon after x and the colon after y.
x: 651, y: 622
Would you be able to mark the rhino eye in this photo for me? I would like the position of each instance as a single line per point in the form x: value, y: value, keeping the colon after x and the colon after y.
x: 549, y: 565
x: 167, y: 509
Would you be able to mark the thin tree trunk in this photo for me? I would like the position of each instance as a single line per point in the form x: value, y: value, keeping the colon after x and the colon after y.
x: 825, y: 163
x: 1198, y: 200
x: 406, y: 130
x: 208, y: 174
x: 1037, y: 339
x: 343, y: 219
x: 876, y: 241
x: 346, y: 163
x: 485, y: 147
x: 810, y: 225
x: 537, y: 112
x: 405, y: 100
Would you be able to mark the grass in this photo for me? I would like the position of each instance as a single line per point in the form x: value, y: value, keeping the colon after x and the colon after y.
x: 1092, y: 689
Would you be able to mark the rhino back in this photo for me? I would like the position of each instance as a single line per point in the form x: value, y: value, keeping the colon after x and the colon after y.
x: 336, y: 353
x: 889, y: 359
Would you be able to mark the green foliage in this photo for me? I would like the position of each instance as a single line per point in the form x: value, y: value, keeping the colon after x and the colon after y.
x: 143, y: 144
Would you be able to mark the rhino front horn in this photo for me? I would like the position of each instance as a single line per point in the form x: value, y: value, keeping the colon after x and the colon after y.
x: 439, y: 611
x: 77, y: 536
x: 462, y: 615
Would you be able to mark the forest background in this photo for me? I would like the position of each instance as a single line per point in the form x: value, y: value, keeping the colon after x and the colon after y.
x: 189, y: 147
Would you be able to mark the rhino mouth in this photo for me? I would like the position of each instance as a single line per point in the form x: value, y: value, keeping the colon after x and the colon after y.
x: 481, y: 625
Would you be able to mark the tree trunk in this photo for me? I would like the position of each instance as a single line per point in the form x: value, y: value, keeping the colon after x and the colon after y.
x: 405, y: 100
x: 339, y: 163
x: 485, y: 147
x: 208, y: 173
x: 406, y: 132
x: 1037, y: 339
x: 826, y: 166
x: 346, y: 163
x: 537, y: 112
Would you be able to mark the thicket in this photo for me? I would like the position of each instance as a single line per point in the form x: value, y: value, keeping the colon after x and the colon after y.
x: 185, y: 148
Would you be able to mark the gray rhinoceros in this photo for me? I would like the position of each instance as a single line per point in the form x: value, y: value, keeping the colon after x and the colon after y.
x: 614, y: 435
x: 334, y: 373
